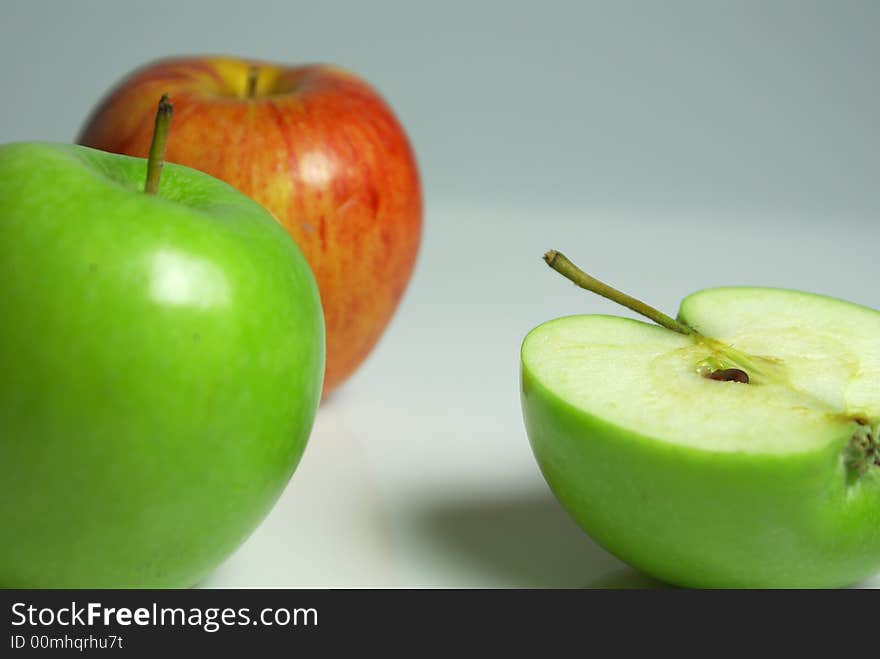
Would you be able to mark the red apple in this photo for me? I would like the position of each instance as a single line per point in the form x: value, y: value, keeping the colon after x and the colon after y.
x: 315, y: 145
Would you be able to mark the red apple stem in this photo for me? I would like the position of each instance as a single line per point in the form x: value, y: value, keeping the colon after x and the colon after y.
x: 252, y: 78
x: 157, y: 146
x: 560, y: 263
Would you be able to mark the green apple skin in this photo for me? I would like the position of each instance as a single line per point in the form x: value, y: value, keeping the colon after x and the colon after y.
x: 162, y: 361
x: 705, y: 519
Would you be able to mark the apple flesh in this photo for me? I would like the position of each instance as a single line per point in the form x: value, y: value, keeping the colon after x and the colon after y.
x: 707, y: 483
x: 161, y: 361
x: 315, y: 145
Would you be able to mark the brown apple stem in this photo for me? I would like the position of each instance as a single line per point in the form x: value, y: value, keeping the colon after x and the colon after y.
x: 570, y: 271
x: 252, y: 78
x: 157, y: 146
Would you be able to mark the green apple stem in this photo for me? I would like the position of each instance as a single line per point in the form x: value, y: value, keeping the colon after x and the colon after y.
x: 157, y: 146
x: 559, y: 262
x: 252, y: 79
x: 733, y: 364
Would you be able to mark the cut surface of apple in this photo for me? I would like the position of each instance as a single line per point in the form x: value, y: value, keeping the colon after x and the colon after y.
x: 717, y: 483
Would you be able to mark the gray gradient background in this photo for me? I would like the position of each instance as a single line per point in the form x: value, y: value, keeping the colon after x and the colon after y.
x: 670, y: 146
x: 617, y: 104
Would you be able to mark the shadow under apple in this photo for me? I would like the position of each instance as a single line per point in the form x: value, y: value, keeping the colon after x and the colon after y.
x: 519, y: 539
x: 328, y: 529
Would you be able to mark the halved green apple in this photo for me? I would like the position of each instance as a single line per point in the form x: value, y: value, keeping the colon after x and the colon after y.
x: 714, y: 482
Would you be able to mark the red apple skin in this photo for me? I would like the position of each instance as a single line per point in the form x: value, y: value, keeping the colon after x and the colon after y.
x: 315, y: 145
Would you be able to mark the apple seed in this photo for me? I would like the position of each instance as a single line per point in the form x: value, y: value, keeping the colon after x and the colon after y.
x: 729, y: 375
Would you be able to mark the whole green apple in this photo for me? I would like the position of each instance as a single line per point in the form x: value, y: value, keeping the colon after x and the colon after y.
x: 734, y: 447
x: 162, y: 359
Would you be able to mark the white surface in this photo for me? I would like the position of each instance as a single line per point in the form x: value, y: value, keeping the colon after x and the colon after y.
x: 419, y: 472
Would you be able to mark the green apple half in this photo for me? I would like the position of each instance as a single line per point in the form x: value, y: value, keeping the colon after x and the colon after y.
x: 716, y: 483
x: 161, y: 361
